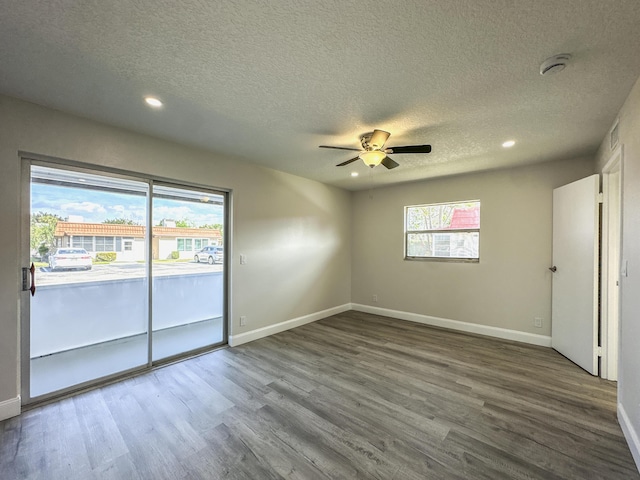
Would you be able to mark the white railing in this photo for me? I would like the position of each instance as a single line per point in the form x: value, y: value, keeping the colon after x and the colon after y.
x: 68, y: 316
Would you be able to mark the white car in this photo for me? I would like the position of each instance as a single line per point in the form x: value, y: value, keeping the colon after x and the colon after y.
x: 70, y: 258
x: 210, y: 254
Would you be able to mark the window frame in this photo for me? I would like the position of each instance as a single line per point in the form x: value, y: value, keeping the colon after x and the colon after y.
x: 408, y: 232
x: 187, y: 244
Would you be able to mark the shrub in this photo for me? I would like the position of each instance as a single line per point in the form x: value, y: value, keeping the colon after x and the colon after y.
x: 43, y: 251
x: 105, y: 256
x: 175, y: 255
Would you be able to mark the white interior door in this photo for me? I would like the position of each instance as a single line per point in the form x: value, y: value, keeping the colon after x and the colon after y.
x: 574, y: 308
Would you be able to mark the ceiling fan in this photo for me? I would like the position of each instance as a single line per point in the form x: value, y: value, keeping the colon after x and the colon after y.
x: 372, y: 152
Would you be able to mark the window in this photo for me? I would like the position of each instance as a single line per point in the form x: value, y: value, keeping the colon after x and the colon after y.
x: 128, y: 244
x: 104, y: 244
x: 78, y: 241
x: 443, y: 231
x: 185, y: 244
x: 200, y: 243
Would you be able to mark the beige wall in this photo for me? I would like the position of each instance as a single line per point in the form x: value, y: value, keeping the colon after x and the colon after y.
x: 295, y: 232
x: 629, y: 366
x: 508, y: 287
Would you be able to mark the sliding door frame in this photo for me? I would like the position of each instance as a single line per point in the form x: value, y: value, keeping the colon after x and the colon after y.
x: 28, y: 159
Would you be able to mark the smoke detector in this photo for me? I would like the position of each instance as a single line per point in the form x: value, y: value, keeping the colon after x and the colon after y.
x: 555, y: 64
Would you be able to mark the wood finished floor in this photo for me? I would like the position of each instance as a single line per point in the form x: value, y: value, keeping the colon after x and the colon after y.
x: 351, y: 396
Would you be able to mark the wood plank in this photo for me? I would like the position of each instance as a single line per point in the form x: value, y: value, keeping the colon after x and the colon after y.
x: 351, y: 396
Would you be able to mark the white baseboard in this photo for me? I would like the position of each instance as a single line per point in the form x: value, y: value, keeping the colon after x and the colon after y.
x: 235, y: 340
x: 10, y: 408
x: 531, y: 338
x: 630, y: 434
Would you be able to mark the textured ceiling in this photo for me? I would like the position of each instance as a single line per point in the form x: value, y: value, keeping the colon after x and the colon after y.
x: 269, y: 81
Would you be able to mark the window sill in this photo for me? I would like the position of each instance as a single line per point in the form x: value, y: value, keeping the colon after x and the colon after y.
x: 441, y: 259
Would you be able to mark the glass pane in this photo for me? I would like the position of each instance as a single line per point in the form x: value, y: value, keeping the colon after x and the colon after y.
x: 188, y: 285
x: 89, y: 316
x: 444, y: 216
x: 443, y: 245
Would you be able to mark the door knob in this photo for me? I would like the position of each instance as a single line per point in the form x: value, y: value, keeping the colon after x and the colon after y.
x: 553, y: 269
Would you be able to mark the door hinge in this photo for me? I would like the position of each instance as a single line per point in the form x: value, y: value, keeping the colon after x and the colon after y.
x: 600, y: 197
x: 599, y: 351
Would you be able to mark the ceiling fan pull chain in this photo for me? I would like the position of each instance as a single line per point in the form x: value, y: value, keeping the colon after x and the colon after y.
x: 370, y: 183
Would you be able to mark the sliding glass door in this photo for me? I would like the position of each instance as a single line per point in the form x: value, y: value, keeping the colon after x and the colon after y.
x: 96, y: 240
x: 188, y: 270
x: 89, y: 313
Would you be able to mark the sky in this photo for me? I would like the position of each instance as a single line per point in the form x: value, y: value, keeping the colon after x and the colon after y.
x: 93, y: 206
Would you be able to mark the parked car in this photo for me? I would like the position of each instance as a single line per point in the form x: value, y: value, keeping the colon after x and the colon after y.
x: 70, y: 258
x: 210, y: 255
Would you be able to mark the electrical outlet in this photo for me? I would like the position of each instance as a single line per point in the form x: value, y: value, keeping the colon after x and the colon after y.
x: 537, y: 322
x: 243, y: 320
x: 375, y: 298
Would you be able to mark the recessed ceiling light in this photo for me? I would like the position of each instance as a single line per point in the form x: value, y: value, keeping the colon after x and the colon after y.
x: 354, y: 174
x: 153, y: 102
x: 509, y: 143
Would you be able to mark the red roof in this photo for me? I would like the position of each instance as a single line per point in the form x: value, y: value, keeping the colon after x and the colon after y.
x: 464, y: 218
x: 119, y: 230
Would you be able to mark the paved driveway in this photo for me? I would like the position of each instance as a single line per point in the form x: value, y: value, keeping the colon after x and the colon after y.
x: 119, y: 271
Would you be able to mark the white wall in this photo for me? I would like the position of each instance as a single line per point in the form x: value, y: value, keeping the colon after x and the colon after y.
x: 295, y: 232
x: 508, y: 287
x: 168, y: 245
x: 629, y: 366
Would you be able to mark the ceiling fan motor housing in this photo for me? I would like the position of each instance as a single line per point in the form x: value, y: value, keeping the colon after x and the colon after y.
x: 364, y: 141
x: 374, y: 140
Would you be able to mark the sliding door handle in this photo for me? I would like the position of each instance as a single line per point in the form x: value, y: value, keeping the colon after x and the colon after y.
x: 25, y: 279
x: 553, y: 269
x: 32, y: 269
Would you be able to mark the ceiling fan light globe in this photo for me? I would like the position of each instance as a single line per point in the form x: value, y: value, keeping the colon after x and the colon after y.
x: 372, y: 158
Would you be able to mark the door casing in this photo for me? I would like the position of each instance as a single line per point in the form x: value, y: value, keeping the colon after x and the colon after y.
x: 611, y: 261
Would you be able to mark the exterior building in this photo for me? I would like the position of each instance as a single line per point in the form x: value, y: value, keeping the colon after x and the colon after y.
x: 127, y: 241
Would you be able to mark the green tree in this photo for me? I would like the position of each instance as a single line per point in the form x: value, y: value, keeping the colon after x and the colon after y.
x: 184, y: 223
x: 42, y: 229
x: 120, y: 221
x: 213, y: 226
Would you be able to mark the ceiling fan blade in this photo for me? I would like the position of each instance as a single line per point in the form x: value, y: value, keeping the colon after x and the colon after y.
x: 347, y: 162
x: 378, y: 137
x: 411, y: 149
x: 341, y: 148
x: 387, y: 162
